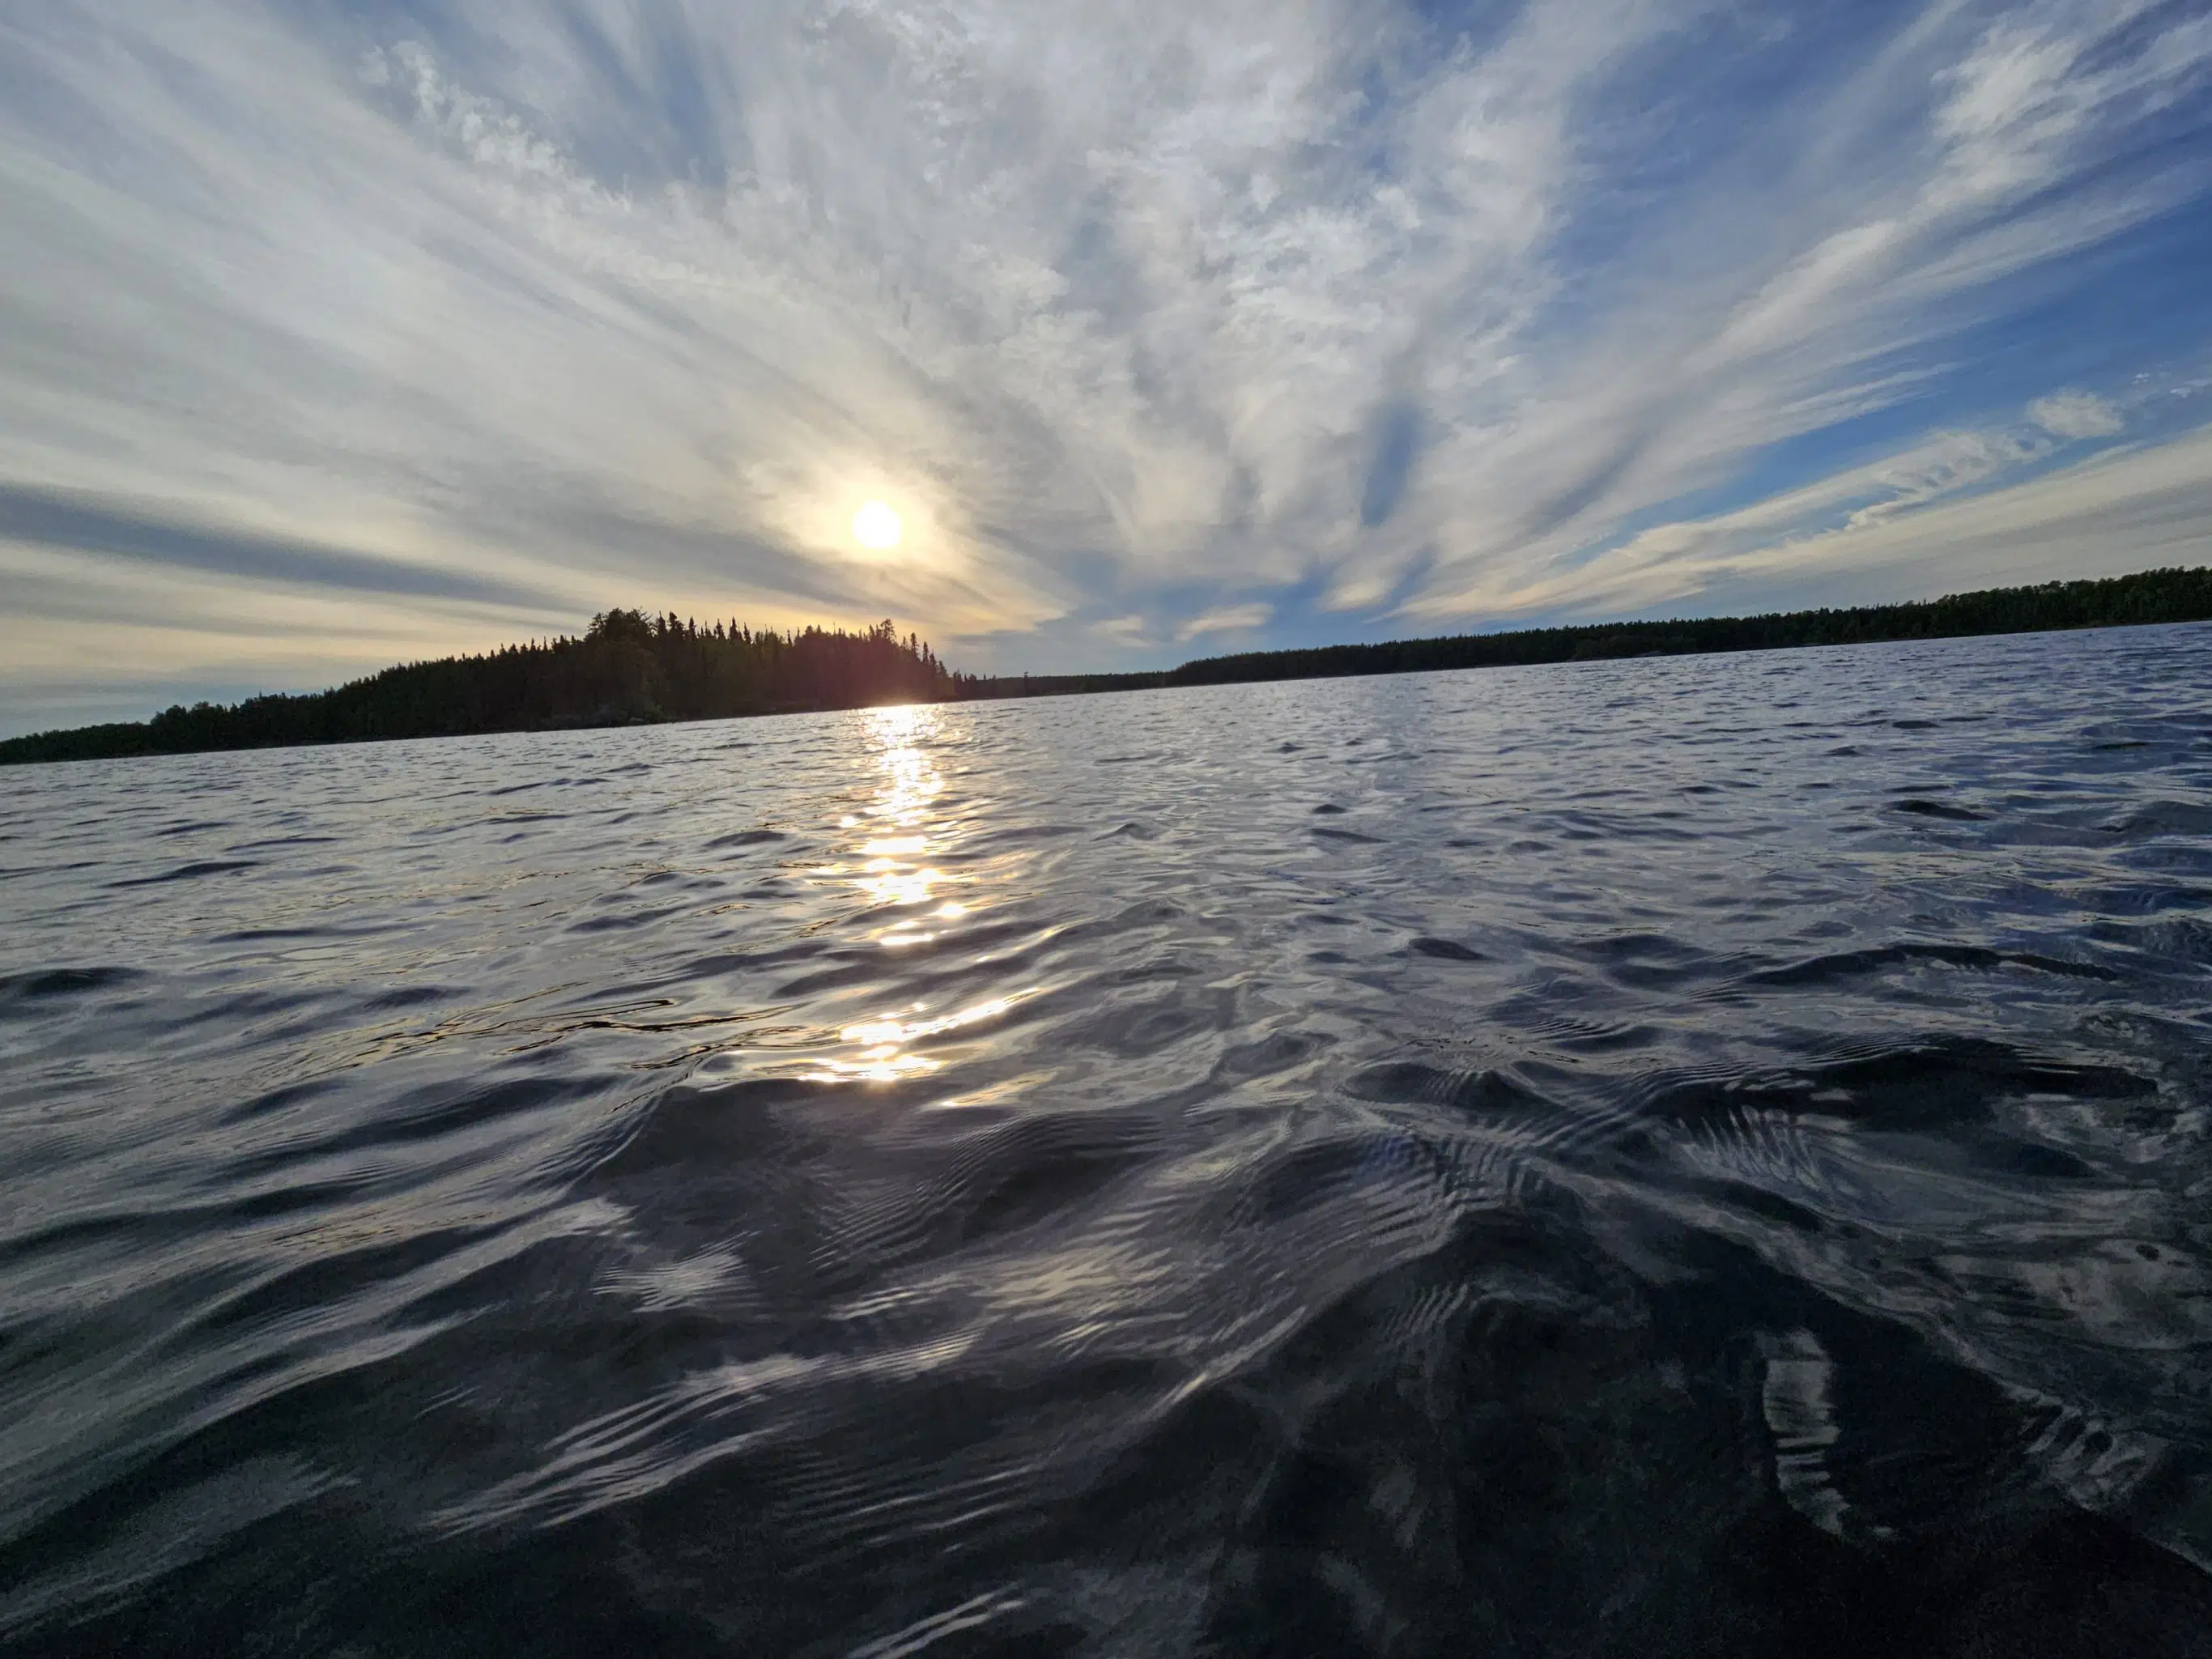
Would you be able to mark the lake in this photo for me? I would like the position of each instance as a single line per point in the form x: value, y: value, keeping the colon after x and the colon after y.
x: 1700, y: 1155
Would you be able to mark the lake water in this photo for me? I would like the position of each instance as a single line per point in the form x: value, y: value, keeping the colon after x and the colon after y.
x: 1693, y: 1156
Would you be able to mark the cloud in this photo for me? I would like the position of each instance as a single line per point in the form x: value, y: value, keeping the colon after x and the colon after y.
x: 1432, y: 312
x: 146, y: 533
x: 2126, y: 510
x: 1941, y: 518
x: 1132, y: 631
x: 2076, y: 415
x: 1225, y: 619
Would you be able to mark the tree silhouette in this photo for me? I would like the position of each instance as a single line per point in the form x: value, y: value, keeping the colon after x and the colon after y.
x: 627, y: 669
x: 632, y: 668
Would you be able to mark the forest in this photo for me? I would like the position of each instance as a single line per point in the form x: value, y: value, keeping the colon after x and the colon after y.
x: 628, y: 669
x: 632, y: 668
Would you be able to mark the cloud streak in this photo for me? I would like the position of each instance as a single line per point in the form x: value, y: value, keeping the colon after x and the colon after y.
x: 143, y: 534
x: 1225, y: 619
x: 1326, y: 319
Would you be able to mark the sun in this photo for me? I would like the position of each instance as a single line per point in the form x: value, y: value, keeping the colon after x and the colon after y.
x: 875, y: 527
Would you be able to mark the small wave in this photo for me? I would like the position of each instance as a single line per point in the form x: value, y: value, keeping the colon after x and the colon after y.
x: 1842, y: 965
x: 1937, y: 809
x: 749, y: 838
x: 1928, y: 1084
x: 1445, y: 949
x: 193, y: 872
x: 431, y: 1115
x: 261, y: 935
x: 2164, y: 817
x: 54, y: 984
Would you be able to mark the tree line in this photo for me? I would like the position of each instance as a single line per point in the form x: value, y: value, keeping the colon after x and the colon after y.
x: 629, y: 668
x: 2154, y: 596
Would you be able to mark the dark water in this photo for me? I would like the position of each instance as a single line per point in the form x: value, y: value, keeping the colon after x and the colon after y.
x: 1703, y: 1156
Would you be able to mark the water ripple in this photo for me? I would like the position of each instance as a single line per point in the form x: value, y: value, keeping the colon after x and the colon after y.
x: 1680, y: 1155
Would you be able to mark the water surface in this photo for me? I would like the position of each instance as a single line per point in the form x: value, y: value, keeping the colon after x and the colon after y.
x: 1691, y: 1156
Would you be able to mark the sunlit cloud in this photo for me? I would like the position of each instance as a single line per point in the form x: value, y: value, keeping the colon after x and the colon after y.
x: 2077, y: 415
x: 1132, y: 632
x: 1922, y: 529
x: 1150, y: 323
x: 1225, y: 619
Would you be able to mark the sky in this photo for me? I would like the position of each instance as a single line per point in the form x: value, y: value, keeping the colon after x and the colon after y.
x: 340, y: 332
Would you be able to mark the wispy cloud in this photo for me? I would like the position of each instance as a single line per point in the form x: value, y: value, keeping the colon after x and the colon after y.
x: 2077, y: 415
x: 146, y: 534
x: 1225, y: 619
x: 1957, y: 500
x: 1131, y: 632
x: 1311, y: 314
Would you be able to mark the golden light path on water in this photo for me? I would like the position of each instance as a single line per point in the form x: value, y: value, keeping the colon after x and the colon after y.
x: 886, y: 860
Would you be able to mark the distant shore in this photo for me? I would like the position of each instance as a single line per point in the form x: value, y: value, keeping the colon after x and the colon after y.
x: 630, y: 669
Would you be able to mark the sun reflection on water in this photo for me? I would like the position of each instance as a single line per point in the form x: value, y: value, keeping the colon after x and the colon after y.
x: 886, y: 859
x: 882, y: 1045
x: 896, y: 840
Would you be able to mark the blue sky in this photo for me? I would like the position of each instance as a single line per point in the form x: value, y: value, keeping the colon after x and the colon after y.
x: 337, y: 332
